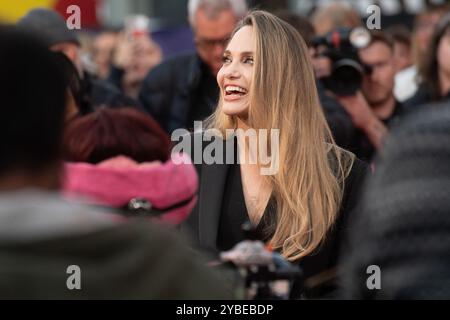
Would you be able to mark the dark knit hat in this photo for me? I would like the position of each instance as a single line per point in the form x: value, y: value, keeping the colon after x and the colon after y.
x: 48, y: 25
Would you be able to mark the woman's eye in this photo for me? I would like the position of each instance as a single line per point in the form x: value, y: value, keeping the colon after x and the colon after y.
x: 226, y: 60
x: 248, y: 60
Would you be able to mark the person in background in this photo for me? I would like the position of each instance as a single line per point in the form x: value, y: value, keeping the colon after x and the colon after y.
x: 403, y: 57
x: 134, y: 57
x: 119, y: 158
x: 424, y: 24
x: 326, y: 19
x: 183, y: 89
x: 52, y: 29
x: 423, y: 29
x: 41, y: 234
x: 102, y: 50
x: 334, y: 15
x: 401, y: 38
x: 74, y: 105
x: 374, y: 108
x: 434, y: 72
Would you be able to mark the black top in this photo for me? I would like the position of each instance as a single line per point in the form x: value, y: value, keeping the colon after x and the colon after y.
x: 234, y: 214
x: 205, y: 98
x: 179, y: 91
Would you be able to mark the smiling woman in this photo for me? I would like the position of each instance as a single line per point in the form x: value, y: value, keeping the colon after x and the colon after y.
x: 267, y: 82
x: 235, y: 77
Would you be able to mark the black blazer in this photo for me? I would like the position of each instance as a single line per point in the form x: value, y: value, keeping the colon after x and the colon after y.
x: 203, y: 223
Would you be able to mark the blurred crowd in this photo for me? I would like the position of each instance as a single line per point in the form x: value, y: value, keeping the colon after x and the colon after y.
x: 85, y: 153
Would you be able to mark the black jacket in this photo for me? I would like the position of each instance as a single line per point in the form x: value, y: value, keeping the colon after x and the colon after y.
x: 203, y: 222
x: 96, y: 93
x: 173, y: 94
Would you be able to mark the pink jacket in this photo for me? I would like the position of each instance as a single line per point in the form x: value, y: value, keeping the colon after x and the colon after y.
x: 116, y: 181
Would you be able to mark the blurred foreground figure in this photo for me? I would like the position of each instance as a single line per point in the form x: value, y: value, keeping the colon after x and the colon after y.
x: 404, y: 227
x: 42, y: 236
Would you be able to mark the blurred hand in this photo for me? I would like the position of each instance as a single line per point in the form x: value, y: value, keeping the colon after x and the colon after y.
x: 364, y: 118
x: 358, y: 108
x: 123, y: 53
x: 145, y: 55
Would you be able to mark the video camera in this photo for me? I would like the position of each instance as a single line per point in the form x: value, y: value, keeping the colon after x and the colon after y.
x: 341, y: 47
x: 262, y: 269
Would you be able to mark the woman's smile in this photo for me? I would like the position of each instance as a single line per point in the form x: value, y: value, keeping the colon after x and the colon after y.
x: 234, y: 92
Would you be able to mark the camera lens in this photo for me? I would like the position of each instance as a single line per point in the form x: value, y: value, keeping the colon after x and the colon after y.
x: 346, y: 77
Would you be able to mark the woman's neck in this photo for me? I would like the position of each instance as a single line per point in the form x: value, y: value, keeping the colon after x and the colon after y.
x: 242, y: 124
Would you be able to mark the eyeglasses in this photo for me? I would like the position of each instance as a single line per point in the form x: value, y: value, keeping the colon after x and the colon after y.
x: 211, y: 43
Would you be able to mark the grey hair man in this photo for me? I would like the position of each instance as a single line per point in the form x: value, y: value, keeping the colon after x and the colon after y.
x: 212, y: 22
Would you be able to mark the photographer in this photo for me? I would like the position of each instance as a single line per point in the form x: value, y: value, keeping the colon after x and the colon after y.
x: 362, y: 81
x: 375, y: 109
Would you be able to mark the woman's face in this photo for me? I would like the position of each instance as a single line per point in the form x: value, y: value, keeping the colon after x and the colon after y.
x: 234, y: 78
x: 443, y: 53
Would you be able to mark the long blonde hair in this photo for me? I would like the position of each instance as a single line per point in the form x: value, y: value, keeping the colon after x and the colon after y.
x: 308, y: 187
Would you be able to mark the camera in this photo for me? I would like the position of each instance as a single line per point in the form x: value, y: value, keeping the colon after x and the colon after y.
x: 341, y: 47
x: 266, y: 274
